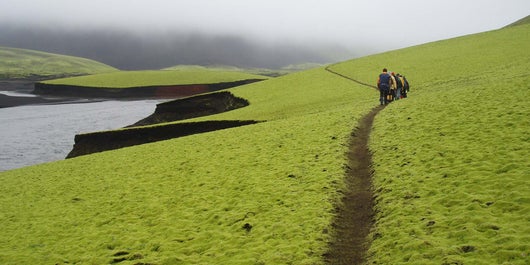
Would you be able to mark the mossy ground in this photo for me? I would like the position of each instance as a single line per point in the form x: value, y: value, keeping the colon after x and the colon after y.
x: 262, y: 193
x: 451, y: 162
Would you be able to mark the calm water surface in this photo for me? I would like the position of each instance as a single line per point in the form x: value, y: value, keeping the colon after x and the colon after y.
x: 42, y: 133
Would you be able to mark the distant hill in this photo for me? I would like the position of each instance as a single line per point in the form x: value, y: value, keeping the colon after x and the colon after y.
x: 522, y: 21
x: 22, y: 63
x: 257, y: 71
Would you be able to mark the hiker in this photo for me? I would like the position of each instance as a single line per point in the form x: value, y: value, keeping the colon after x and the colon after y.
x: 399, y: 86
x: 406, y: 87
x: 393, y: 86
x: 383, y: 83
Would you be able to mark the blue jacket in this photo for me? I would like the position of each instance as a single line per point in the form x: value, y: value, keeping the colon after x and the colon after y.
x: 383, y: 81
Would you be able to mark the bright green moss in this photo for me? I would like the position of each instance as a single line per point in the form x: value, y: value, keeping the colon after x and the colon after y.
x: 451, y: 162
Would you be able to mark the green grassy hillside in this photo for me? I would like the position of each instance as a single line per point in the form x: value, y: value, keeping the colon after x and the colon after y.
x: 452, y: 161
x: 22, y: 63
x: 130, y: 79
x: 451, y: 166
x: 190, y: 199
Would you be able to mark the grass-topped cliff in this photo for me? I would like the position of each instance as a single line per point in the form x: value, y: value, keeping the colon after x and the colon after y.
x: 132, y: 79
x: 451, y: 167
x: 174, y: 83
x: 21, y: 63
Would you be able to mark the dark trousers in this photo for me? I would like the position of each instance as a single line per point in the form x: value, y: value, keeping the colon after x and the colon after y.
x: 383, y: 94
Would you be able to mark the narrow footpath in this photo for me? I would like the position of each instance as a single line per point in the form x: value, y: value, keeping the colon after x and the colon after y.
x: 355, y: 217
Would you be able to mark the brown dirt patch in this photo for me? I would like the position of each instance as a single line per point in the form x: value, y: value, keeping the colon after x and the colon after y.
x: 355, y: 215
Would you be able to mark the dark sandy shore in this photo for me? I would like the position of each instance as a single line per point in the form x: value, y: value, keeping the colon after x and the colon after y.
x: 11, y: 101
x: 19, y: 93
x: 22, y: 87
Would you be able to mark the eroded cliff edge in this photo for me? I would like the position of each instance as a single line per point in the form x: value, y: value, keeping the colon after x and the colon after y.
x: 153, y: 129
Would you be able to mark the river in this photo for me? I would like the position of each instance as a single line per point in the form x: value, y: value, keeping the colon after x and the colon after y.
x: 34, y: 134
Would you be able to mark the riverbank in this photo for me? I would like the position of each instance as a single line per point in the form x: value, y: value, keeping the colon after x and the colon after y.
x: 14, y: 93
x: 7, y: 101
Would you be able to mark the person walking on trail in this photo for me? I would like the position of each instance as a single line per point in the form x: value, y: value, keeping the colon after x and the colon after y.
x: 399, y: 85
x: 392, y: 92
x: 383, y: 84
x: 406, y: 87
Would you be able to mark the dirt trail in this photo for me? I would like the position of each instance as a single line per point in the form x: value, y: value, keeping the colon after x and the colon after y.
x: 355, y: 216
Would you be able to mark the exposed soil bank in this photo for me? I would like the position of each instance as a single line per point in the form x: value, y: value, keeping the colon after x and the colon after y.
x: 172, y: 91
x: 103, y: 141
x: 175, y: 110
x: 192, y: 107
x: 355, y: 215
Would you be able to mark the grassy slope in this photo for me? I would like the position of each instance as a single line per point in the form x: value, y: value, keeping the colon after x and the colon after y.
x: 452, y: 161
x: 128, y: 79
x: 186, y: 201
x: 21, y: 63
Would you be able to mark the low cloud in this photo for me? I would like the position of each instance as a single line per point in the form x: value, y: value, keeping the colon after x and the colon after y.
x: 128, y: 50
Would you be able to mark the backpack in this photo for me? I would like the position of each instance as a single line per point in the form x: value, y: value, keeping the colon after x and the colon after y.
x: 406, y: 85
x: 384, y: 80
x: 398, y: 82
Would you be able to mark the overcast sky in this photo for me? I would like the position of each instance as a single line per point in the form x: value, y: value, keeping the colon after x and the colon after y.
x: 373, y: 24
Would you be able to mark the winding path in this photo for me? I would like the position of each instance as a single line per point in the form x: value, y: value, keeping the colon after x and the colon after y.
x: 355, y: 217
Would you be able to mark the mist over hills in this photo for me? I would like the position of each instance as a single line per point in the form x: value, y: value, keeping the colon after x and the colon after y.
x: 129, y: 50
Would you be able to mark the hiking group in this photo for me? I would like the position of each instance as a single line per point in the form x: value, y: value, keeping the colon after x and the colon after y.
x: 391, y: 87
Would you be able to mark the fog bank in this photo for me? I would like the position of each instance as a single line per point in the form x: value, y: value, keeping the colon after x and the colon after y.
x: 128, y: 50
